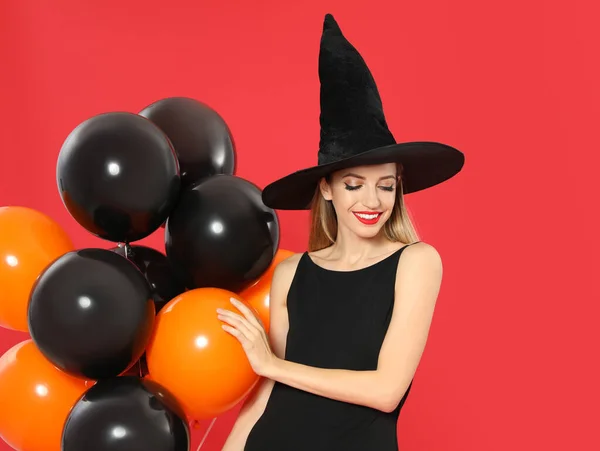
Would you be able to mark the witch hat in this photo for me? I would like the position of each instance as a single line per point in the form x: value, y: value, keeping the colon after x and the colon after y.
x: 354, y: 131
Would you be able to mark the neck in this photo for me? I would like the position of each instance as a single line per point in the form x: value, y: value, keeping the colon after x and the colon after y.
x: 349, y: 246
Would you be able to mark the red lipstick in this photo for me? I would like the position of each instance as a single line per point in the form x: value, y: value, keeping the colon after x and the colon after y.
x: 368, y: 217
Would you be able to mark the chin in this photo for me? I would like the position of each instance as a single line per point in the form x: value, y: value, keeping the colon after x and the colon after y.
x: 368, y: 232
x: 365, y: 231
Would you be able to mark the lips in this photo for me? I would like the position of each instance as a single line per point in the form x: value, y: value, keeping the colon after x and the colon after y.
x: 368, y: 217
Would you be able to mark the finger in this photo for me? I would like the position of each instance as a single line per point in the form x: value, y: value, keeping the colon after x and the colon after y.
x: 242, y: 319
x: 254, y: 322
x: 246, y: 344
x: 236, y: 333
x: 240, y: 324
x: 248, y: 314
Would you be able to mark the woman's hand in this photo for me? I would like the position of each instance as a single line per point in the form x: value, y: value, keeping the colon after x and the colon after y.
x: 249, y: 331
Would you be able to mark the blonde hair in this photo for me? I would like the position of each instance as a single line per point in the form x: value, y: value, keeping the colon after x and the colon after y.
x: 323, y: 228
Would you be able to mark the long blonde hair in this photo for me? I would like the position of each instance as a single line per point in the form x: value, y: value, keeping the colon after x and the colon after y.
x: 324, y: 226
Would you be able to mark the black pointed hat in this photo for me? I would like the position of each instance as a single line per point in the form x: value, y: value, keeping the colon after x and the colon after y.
x: 354, y: 131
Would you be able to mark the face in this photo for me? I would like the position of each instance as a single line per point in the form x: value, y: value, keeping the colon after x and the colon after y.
x: 363, y: 197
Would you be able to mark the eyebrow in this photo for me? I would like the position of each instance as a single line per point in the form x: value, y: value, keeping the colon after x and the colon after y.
x: 351, y: 174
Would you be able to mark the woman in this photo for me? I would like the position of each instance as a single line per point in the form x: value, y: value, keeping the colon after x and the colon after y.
x: 350, y: 318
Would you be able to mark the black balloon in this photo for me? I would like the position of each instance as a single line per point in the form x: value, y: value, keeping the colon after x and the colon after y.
x: 201, y: 138
x: 139, y: 369
x: 221, y: 234
x: 118, y: 176
x: 91, y: 313
x: 156, y: 268
x: 126, y: 414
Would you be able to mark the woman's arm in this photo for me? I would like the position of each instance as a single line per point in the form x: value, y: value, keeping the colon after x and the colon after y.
x: 251, y: 410
x: 256, y: 402
x: 418, y: 281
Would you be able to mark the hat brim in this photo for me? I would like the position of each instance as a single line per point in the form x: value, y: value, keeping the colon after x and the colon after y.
x: 425, y: 164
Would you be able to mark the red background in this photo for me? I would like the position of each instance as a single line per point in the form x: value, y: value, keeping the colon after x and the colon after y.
x: 511, y: 361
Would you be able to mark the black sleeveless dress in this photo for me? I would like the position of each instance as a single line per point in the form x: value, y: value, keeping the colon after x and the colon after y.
x: 337, y: 319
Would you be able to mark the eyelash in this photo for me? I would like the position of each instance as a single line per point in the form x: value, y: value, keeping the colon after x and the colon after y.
x: 353, y: 188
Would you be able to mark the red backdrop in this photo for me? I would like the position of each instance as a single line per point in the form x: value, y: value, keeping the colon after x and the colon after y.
x: 511, y: 358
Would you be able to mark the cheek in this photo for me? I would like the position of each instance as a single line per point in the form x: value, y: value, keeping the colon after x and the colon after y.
x: 388, y: 201
x: 344, y: 199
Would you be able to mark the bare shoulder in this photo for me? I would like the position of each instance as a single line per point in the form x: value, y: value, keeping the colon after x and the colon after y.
x: 420, y: 260
x: 287, y: 267
x: 284, y: 274
x: 423, y: 250
x: 281, y: 282
x: 292, y: 261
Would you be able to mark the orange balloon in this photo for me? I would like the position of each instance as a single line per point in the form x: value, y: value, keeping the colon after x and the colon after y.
x: 257, y: 295
x: 193, y: 358
x: 36, y: 399
x: 29, y: 242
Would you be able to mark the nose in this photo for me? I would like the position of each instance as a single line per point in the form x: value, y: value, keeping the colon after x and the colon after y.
x: 371, y: 200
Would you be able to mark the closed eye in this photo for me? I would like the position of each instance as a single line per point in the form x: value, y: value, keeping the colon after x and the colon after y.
x: 353, y: 188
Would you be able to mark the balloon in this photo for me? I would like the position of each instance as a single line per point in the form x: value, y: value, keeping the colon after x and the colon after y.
x: 36, y: 399
x: 118, y: 176
x: 29, y: 241
x: 158, y: 272
x: 201, y: 138
x: 221, y: 234
x: 139, y: 368
x: 257, y: 295
x: 126, y: 414
x: 162, y: 280
x: 190, y: 354
x: 91, y: 313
